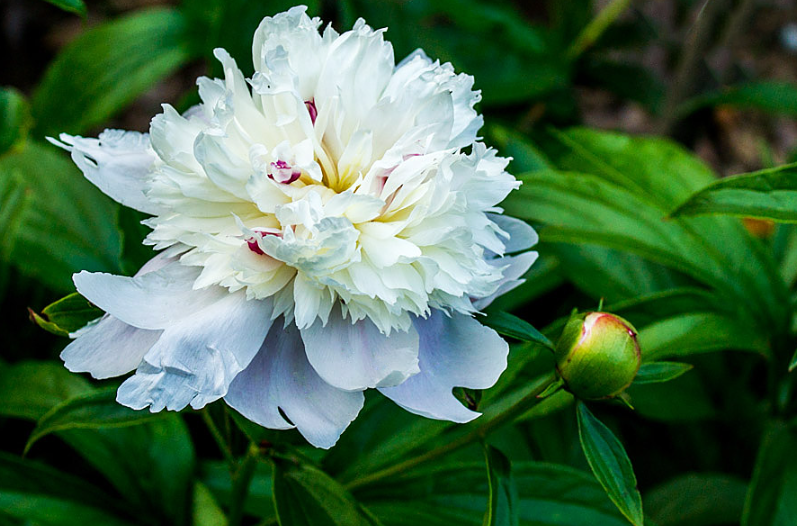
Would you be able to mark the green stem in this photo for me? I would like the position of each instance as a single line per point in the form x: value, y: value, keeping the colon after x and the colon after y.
x: 506, y: 417
x: 592, y: 32
x: 218, y: 437
x: 241, y: 480
x: 697, y: 45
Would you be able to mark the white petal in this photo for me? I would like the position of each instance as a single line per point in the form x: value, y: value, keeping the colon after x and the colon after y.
x: 455, y: 351
x: 227, y: 170
x: 357, y: 69
x: 297, y: 34
x: 521, y: 235
x: 108, y: 348
x: 118, y: 163
x: 281, y: 378
x: 155, y: 300
x: 516, y: 266
x: 195, y: 360
x: 356, y: 356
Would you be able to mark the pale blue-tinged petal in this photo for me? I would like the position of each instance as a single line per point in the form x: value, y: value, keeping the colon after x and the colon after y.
x: 281, y: 380
x: 356, y: 356
x: 108, y: 348
x: 118, y: 163
x: 516, y: 267
x: 521, y: 235
x: 195, y: 360
x: 155, y: 300
x: 455, y: 351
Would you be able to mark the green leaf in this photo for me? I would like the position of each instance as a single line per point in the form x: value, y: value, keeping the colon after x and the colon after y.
x: 648, y: 309
x: 610, y: 274
x: 551, y: 390
x: 456, y: 493
x: 502, y: 496
x: 66, y: 315
x: 15, y: 120
x: 27, y: 476
x: 73, y: 6
x: 53, y: 222
x: 684, y: 399
x: 206, y: 510
x: 698, y: 332
x: 582, y: 208
x: 610, y: 464
x: 697, y: 499
x: 658, y: 372
x: 30, y: 389
x: 770, y: 497
x: 624, y: 188
x: 793, y: 362
x: 383, y: 433
x: 38, y: 494
x: 771, y: 97
x: 767, y: 194
x: 510, y: 325
x: 95, y: 410
x: 525, y: 156
x: 306, y: 496
x: 151, y: 464
x: 260, y: 499
x: 117, y: 61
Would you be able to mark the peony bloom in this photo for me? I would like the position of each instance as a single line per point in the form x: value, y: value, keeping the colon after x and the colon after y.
x: 321, y: 232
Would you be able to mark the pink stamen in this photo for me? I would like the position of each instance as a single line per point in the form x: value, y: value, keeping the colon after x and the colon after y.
x: 284, y: 173
x: 252, y: 242
x: 311, y: 109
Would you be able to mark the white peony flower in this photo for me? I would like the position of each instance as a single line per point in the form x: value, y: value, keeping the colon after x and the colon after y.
x: 321, y: 231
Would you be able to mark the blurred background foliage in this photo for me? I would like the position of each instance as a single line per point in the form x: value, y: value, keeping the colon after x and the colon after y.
x: 568, y: 88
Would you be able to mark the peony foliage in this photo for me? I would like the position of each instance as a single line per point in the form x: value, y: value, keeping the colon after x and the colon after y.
x: 372, y: 268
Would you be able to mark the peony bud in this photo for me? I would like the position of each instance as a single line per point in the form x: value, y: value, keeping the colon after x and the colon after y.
x: 597, y: 355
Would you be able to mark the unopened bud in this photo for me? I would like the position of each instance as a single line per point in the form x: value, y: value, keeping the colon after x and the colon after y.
x: 597, y: 355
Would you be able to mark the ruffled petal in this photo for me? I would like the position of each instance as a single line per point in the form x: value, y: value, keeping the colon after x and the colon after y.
x: 355, y: 56
x: 195, y: 360
x: 411, y: 83
x: 521, y: 235
x: 296, y: 37
x: 118, y: 163
x: 455, y: 351
x: 514, y: 268
x: 280, y: 381
x: 108, y: 348
x: 356, y: 356
x: 155, y: 300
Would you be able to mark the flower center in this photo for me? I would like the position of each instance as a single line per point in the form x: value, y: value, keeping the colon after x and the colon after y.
x: 282, y: 172
x: 252, y: 240
x: 312, y: 110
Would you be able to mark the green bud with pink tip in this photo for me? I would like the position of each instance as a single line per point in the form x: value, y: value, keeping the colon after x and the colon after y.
x: 597, y: 355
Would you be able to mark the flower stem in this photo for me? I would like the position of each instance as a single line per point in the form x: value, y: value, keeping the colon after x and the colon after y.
x: 592, y: 32
x: 479, y: 433
x: 218, y: 437
x: 241, y: 480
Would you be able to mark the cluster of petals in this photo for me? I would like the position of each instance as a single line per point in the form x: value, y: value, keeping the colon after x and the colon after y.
x: 328, y: 226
